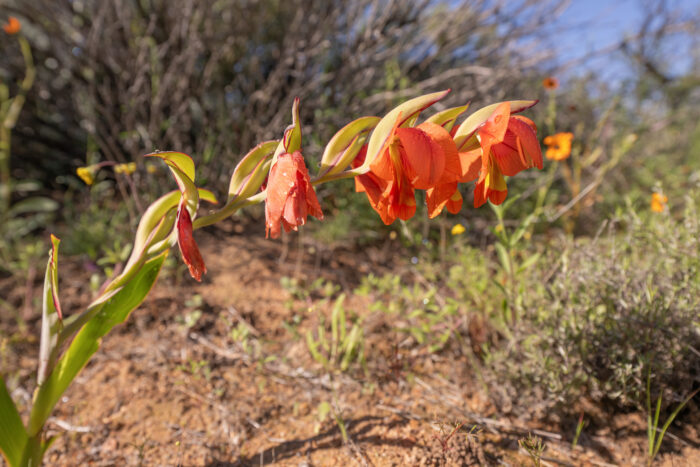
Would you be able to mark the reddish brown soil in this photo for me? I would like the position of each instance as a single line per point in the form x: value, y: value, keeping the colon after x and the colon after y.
x: 158, y: 393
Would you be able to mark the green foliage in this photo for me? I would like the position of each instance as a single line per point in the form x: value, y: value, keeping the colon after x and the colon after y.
x: 417, y: 310
x: 344, y: 345
x: 13, y: 436
x: 608, y: 311
x: 655, y: 435
x: 534, y: 446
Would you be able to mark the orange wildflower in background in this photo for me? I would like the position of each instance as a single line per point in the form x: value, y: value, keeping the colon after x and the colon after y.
x: 550, y: 83
x: 558, y: 146
x: 13, y: 26
x: 508, y: 146
x: 658, y: 202
x: 290, y: 195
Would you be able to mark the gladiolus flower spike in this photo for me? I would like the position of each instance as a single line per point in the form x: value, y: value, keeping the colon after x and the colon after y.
x: 427, y: 157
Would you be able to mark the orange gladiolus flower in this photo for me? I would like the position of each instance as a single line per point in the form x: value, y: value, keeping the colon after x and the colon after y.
x: 188, y: 247
x: 13, y: 26
x: 558, y: 146
x: 658, y: 202
x: 550, y: 83
x: 290, y: 195
x: 508, y: 146
x: 424, y: 157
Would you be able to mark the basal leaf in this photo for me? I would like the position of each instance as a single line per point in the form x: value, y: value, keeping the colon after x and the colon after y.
x: 112, y: 312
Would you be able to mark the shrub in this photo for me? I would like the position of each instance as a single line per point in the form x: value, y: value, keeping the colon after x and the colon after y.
x: 614, y: 309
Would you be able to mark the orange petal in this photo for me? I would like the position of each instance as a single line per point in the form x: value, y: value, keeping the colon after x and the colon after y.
x: 453, y: 167
x: 454, y: 204
x: 470, y: 162
x: 422, y: 157
x: 382, y: 165
x: 406, y: 207
x: 508, y: 157
x: 436, y: 198
x: 279, y: 183
x: 491, y: 185
x: 528, y: 146
x: 494, y: 129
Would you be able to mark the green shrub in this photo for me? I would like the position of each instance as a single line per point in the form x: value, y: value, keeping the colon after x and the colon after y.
x: 609, y: 311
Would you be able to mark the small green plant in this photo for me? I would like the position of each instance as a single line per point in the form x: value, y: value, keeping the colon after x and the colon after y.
x: 579, y: 429
x: 344, y: 345
x: 655, y: 435
x: 534, y: 446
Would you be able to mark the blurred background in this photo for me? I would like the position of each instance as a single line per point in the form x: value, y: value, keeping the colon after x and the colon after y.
x: 116, y: 80
x: 609, y: 232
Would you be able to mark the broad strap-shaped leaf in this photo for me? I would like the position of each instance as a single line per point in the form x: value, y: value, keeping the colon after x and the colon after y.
x: 51, y: 315
x: 408, y: 111
x: 469, y: 126
x: 447, y: 118
x: 13, y: 436
x: 113, y: 311
x: 251, y: 171
x: 344, y: 146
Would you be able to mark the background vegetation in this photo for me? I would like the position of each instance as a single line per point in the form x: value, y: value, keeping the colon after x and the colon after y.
x: 575, y: 291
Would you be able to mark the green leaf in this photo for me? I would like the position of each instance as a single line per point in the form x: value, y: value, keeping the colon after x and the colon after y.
x: 177, y: 159
x: 111, y: 312
x: 478, y: 118
x: 408, y: 111
x: 503, y: 257
x: 313, y: 345
x: 528, y: 262
x: 207, y: 196
x: 33, y: 204
x: 324, y: 408
x: 344, y: 146
x: 251, y: 171
x: 13, y: 436
x: 447, y: 118
x: 51, y: 315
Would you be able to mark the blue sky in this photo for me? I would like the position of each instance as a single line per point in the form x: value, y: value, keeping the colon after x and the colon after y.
x: 587, y: 26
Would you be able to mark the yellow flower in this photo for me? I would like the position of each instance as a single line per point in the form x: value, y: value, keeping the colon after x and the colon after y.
x: 558, y: 146
x: 126, y: 169
x: 658, y: 202
x: 458, y: 229
x: 151, y: 168
x: 87, y: 174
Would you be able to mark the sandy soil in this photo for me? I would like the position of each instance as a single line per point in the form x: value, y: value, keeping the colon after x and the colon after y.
x: 161, y: 393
